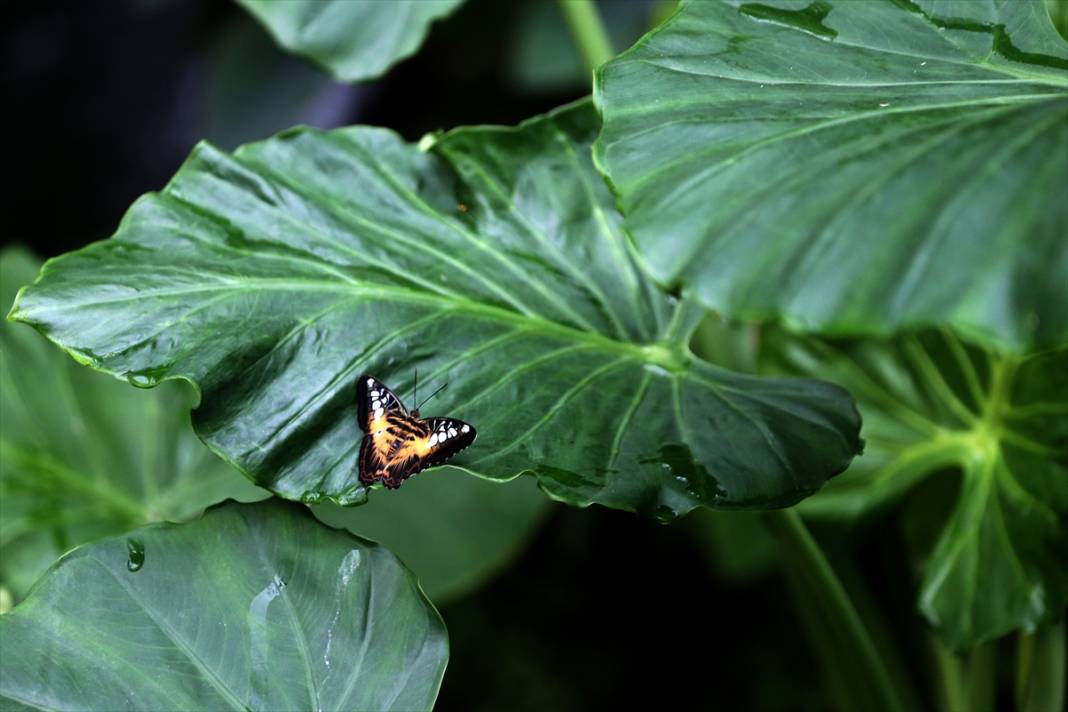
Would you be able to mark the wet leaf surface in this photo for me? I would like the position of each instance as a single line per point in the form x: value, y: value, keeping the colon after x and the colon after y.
x: 255, y: 607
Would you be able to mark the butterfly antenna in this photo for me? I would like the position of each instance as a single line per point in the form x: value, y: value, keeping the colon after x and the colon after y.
x: 434, y: 393
x: 416, y: 396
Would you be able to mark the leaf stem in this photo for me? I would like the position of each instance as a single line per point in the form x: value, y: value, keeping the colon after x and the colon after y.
x: 588, y: 31
x: 950, y: 684
x: 1040, y: 682
x: 803, y: 556
x: 684, y: 321
x: 981, y: 679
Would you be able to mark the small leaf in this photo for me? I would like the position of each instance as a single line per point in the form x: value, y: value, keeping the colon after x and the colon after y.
x: 84, y: 456
x: 273, y: 277
x: 851, y: 167
x: 250, y: 607
x: 931, y: 405
x: 352, y: 39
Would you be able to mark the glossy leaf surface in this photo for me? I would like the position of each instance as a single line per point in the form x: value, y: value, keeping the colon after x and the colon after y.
x: 255, y: 607
x: 932, y: 406
x: 851, y: 167
x: 83, y: 455
x: 352, y: 39
x: 273, y: 277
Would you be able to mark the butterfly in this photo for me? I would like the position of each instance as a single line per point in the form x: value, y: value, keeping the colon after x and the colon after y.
x: 399, y: 444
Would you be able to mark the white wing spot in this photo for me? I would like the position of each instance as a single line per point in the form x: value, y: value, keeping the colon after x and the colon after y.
x: 370, y: 381
x: 378, y: 412
x: 374, y: 394
x: 434, y: 439
x: 376, y: 404
x: 452, y: 432
x: 465, y: 429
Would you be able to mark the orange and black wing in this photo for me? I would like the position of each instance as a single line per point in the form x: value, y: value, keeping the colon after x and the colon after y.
x: 397, y: 445
x: 408, y: 446
x: 387, y: 452
x: 448, y: 436
x: 373, y: 402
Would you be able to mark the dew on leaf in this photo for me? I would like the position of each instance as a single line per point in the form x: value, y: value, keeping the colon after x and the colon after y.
x: 136, y: 554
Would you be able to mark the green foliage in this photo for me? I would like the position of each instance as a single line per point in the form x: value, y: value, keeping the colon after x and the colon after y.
x: 851, y: 167
x: 249, y: 607
x: 84, y: 456
x: 453, y: 531
x: 864, y: 169
x: 351, y: 39
x: 931, y: 406
x: 495, y: 263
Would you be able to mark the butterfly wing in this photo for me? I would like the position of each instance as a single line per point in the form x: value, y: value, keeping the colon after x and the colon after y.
x: 373, y: 402
x: 447, y: 436
x: 410, y: 446
x: 397, y: 445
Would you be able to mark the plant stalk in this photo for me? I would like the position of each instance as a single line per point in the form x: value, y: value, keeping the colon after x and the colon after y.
x: 951, y: 696
x: 1040, y: 679
x: 982, y: 678
x: 588, y: 30
x: 803, y: 557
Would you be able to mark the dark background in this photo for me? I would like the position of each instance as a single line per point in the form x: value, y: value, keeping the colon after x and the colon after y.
x: 603, y: 610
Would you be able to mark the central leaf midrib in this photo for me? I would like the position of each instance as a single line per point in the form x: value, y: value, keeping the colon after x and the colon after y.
x: 997, y: 106
x: 533, y: 321
x: 1041, y: 80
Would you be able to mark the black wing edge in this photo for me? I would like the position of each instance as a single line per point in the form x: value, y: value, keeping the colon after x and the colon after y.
x: 367, y: 384
x: 464, y: 435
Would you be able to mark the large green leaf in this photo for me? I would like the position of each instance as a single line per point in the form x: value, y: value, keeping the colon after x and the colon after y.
x: 352, y: 39
x: 84, y: 456
x: 932, y: 406
x: 854, y: 167
x: 274, y: 276
x: 250, y: 607
x: 453, y: 531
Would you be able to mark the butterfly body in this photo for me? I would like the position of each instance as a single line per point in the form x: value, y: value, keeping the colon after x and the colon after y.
x: 398, y: 443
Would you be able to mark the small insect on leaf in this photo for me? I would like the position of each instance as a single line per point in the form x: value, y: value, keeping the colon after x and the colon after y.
x: 397, y: 443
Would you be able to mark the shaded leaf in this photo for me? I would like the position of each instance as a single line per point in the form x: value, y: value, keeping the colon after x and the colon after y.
x: 852, y: 167
x: 453, y: 531
x: 249, y: 607
x: 84, y: 456
x: 352, y: 39
x: 930, y: 405
x: 273, y: 277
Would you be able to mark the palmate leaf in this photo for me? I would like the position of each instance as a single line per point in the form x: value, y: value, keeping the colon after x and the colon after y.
x: 858, y: 167
x: 84, y: 456
x: 352, y: 39
x: 931, y: 406
x: 273, y: 277
x: 251, y: 607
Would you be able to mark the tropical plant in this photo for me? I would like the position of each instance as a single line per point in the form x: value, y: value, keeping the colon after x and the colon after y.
x: 780, y: 235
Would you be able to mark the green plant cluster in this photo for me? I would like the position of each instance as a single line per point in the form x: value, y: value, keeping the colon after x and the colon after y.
x: 789, y: 253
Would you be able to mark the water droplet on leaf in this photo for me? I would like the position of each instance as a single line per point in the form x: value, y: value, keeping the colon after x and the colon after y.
x: 664, y: 514
x: 136, y: 554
